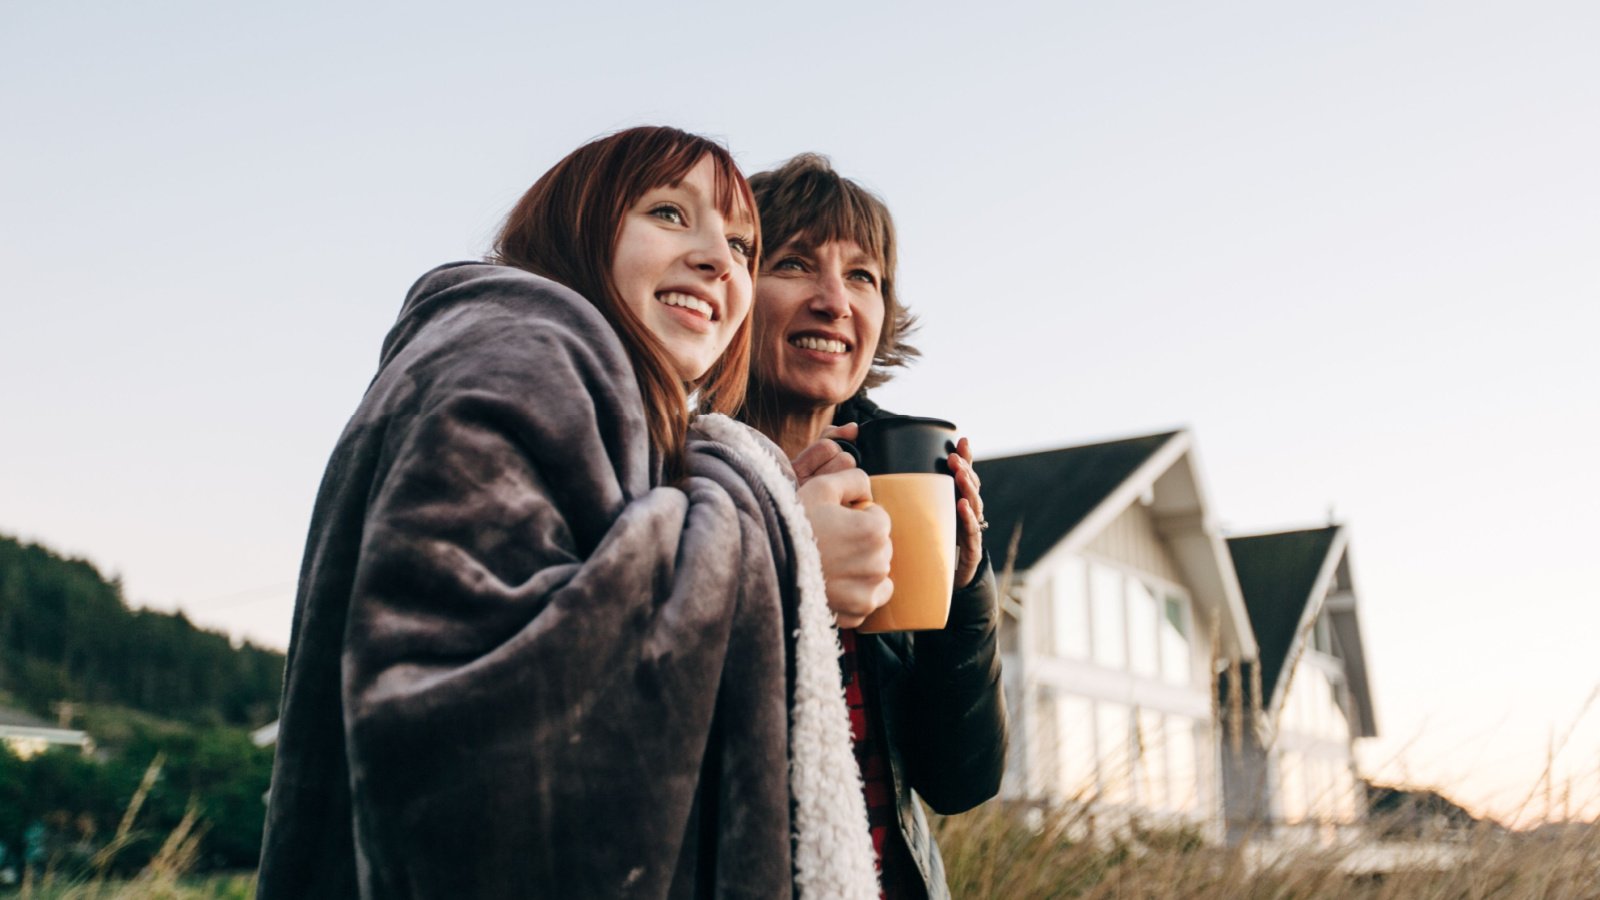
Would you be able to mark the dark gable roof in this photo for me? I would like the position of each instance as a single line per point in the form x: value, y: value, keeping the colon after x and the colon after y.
x: 1276, y: 573
x: 1048, y: 493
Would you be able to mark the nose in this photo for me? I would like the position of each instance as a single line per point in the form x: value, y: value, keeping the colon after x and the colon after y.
x: 712, y: 256
x: 830, y: 300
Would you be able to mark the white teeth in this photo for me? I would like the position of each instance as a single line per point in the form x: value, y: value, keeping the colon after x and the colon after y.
x: 825, y: 345
x: 673, y: 298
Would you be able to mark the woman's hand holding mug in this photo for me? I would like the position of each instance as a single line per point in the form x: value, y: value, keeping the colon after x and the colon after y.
x: 826, y: 456
x: 969, y: 515
x: 853, y: 540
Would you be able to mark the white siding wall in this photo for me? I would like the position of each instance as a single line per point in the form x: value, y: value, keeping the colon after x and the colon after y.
x: 1312, y: 756
x: 1110, y: 682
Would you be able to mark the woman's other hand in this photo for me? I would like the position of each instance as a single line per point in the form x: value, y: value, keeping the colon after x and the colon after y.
x: 853, y: 540
x: 825, y: 457
x: 969, y: 515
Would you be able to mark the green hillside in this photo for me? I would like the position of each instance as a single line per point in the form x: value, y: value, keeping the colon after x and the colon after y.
x: 67, y: 634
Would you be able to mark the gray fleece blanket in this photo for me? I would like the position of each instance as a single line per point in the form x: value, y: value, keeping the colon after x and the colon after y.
x: 519, y: 666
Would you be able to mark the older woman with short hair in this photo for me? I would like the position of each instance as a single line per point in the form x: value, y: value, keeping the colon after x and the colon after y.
x: 829, y: 325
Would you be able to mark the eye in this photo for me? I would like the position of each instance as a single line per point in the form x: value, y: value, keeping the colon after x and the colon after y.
x: 667, y: 212
x: 865, y: 276
x: 741, y: 246
x: 788, y: 264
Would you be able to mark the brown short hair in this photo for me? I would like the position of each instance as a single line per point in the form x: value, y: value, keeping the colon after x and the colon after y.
x: 806, y: 199
x: 566, y: 228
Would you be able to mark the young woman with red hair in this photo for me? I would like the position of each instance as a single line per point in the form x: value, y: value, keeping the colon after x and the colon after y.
x: 554, y: 635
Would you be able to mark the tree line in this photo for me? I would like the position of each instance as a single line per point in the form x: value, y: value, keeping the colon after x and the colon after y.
x: 66, y: 634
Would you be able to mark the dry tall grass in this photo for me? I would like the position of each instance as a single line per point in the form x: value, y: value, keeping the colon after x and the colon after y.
x: 165, y: 877
x: 998, y: 852
x: 1018, y: 853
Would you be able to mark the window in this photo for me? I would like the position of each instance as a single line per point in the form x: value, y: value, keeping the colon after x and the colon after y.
x: 1044, y: 737
x: 1144, y: 630
x: 1070, y: 596
x: 1038, y: 610
x: 1183, y: 789
x: 1075, y: 747
x: 1152, y: 746
x: 1110, y: 624
x: 1112, y: 747
x: 1291, y: 786
x: 1177, y: 666
x: 1135, y: 622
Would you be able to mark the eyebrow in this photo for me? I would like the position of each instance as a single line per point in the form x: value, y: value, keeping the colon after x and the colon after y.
x: 738, y: 215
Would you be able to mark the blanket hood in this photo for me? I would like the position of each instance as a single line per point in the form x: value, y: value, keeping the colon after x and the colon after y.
x: 453, y: 284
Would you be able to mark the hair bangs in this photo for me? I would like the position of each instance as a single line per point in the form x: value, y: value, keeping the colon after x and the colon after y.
x: 735, y: 200
x: 845, y: 216
x: 673, y: 161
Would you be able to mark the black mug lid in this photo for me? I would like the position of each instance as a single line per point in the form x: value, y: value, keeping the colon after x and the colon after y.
x: 896, y: 444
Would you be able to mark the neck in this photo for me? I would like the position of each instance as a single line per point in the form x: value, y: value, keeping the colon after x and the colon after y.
x: 796, y: 430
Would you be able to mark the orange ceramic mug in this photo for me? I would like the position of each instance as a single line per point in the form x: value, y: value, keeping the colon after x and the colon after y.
x: 906, y: 460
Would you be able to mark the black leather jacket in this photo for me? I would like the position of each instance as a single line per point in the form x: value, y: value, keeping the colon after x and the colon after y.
x: 940, y: 704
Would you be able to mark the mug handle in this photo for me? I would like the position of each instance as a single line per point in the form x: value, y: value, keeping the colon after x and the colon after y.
x: 855, y: 454
x: 849, y: 448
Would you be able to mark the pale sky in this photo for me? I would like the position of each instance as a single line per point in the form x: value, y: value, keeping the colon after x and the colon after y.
x: 1353, y: 246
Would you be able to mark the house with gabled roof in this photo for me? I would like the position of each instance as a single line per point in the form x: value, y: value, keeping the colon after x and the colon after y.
x: 1293, y: 718
x: 1119, y: 604
x: 27, y: 735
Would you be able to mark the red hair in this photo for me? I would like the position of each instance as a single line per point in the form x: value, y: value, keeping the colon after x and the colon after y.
x: 566, y: 228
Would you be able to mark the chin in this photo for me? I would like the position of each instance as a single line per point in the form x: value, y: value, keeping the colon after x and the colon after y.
x: 692, y: 373
x: 814, y: 395
x: 692, y: 362
x: 838, y: 392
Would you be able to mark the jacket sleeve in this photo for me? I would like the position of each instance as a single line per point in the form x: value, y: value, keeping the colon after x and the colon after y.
x: 957, y: 717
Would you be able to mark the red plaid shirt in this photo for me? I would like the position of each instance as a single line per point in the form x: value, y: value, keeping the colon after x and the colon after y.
x: 897, y: 873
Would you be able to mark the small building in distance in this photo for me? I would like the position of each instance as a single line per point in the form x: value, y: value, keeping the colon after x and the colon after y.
x: 27, y: 735
x: 1119, y: 605
x: 1291, y: 721
x: 266, y: 735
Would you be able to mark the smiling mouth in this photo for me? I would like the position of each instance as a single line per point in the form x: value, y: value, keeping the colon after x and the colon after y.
x: 821, y: 345
x: 687, y: 301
